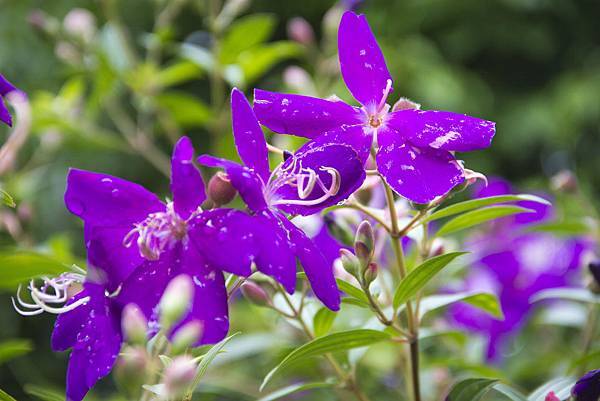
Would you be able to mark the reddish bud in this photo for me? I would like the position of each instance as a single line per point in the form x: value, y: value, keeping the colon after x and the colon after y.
x: 255, y: 294
x: 220, y: 190
x: 300, y: 31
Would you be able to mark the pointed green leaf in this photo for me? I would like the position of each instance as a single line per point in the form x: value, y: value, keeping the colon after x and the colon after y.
x: 209, y: 357
x: 479, y: 216
x: 564, y: 228
x: 470, y: 389
x: 244, y: 34
x: 567, y: 293
x: 7, y: 199
x: 420, y: 275
x: 323, y: 321
x: 18, y: 266
x: 5, y: 397
x: 13, y: 348
x: 294, y: 388
x: 509, y: 392
x: 481, y: 300
x: 44, y: 394
x: 341, y: 341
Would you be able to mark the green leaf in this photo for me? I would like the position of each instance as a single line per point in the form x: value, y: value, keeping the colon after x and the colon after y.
x: 355, y: 295
x: 341, y: 341
x: 198, y: 55
x: 479, y: 216
x: 186, y: 110
x: 465, y: 206
x: 420, y: 275
x: 178, y: 73
x: 18, y: 266
x: 244, y: 34
x: 294, y: 388
x: 7, y: 199
x: 323, y: 321
x: 562, y: 228
x: 209, y: 357
x: 509, y: 392
x: 43, y: 394
x: 470, y: 389
x: 570, y: 294
x: 13, y: 348
x: 257, y: 61
x: 561, y: 387
x: 5, y: 397
x: 481, y: 300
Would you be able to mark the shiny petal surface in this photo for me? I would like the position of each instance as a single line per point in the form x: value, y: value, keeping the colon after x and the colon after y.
x: 442, y: 129
x: 226, y: 239
x: 359, y: 137
x: 328, y: 162
x: 361, y: 60
x: 186, y: 182
x: 302, y: 115
x: 68, y: 325
x: 418, y: 174
x: 318, y: 271
x: 209, y: 306
x: 248, y: 184
x: 104, y: 200
x: 249, y: 137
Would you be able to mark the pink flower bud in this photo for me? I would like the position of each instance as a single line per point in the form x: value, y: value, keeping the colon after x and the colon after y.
x: 186, y: 336
x: 176, y: 300
x: 220, y: 190
x: 370, y: 273
x: 81, y: 23
x: 564, y: 181
x: 179, y: 376
x: 364, y: 243
x: 300, y: 31
x: 134, y: 324
x: 405, y: 104
x: 255, y: 293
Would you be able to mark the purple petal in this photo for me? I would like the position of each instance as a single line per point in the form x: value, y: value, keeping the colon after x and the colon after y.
x: 361, y: 60
x: 442, y: 129
x: 186, y: 182
x: 226, y: 239
x: 209, y: 306
x: 302, y: 115
x: 318, y: 271
x: 418, y: 174
x: 5, y: 86
x: 104, y: 200
x: 342, y: 161
x: 5, y: 116
x: 359, y: 137
x: 68, y: 325
x: 249, y: 138
x: 97, y: 346
x: 247, y: 182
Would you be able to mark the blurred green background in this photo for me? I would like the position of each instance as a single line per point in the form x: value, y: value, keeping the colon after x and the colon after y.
x: 111, y: 90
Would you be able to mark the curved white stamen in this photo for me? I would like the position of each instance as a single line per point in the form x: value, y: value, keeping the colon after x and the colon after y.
x: 385, y: 94
x: 305, y: 180
x: 41, y: 297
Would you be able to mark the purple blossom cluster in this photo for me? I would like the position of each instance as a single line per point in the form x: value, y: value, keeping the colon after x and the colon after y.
x: 137, y: 243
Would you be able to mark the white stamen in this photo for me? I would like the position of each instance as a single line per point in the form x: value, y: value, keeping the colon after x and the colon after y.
x: 41, y: 297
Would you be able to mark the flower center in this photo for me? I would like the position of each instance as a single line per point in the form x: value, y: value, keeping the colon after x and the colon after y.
x: 159, y: 231
x: 376, y: 114
x: 306, y: 181
x: 53, y: 291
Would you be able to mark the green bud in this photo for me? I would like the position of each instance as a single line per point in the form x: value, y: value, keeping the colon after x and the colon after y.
x: 255, y: 293
x: 370, y: 273
x: 364, y: 243
x: 134, y: 325
x: 350, y: 262
x: 176, y: 300
x: 132, y: 369
x: 186, y: 336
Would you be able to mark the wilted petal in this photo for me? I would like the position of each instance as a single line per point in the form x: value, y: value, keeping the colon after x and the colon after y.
x: 318, y: 271
x: 338, y: 168
x: 442, y: 129
x: 361, y: 60
x: 249, y: 138
x: 418, y: 174
x: 302, y: 115
x: 247, y: 182
x: 104, y: 200
x: 186, y: 182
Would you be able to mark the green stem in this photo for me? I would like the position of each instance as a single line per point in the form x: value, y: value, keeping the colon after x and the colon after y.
x: 588, y: 335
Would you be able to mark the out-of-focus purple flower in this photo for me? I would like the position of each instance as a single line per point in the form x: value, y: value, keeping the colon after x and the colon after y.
x: 5, y: 88
x: 594, y: 268
x: 514, y: 266
x: 588, y: 387
x: 414, y: 146
x: 315, y: 177
x: 351, y: 5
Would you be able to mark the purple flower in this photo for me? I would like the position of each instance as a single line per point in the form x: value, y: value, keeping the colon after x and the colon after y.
x: 317, y: 176
x: 414, y: 146
x: 594, y: 268
x: 5, y: 88
x: 588, y: 387
x: 514, y: 266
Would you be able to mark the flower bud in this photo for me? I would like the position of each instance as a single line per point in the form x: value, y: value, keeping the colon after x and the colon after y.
x: 298, y: 80
x: 255, y: 294
x: 132, y: 368
x: 81, y: 23
x: 405, y: 104
x: 134, y: 324
x: 350, y: 262
x: 370, y: 273
x: 339, y: 229
x: 186, y: 336
x: 44, y: 23
x: 299, y: 30
x: 220, y: 190
x: 551, y: 397
x: 594, y: 268
x: 364, y: 243
x: 179, y: 376
x: 588, y: 387
x: 564, y: 181
x: 176, y: 300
